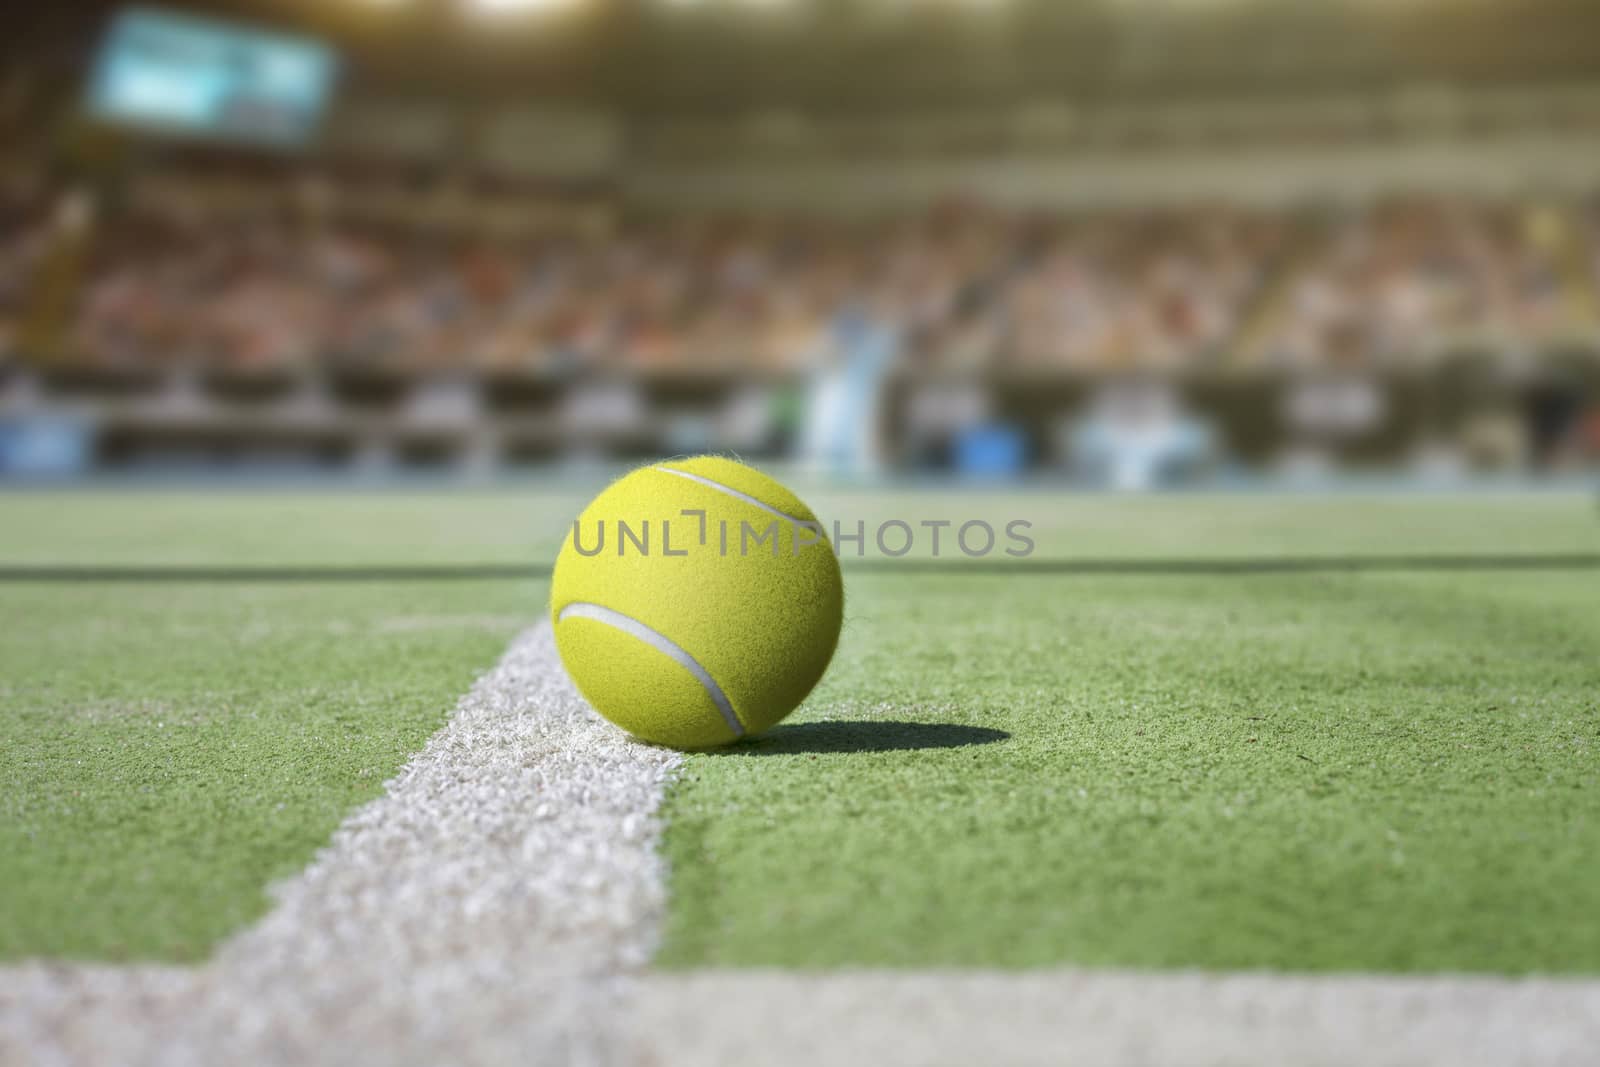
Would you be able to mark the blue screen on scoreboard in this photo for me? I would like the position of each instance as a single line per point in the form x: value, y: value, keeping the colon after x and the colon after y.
x: 202, y: 77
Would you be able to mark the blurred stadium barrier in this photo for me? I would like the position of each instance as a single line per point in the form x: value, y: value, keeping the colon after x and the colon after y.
x: 696, y: 231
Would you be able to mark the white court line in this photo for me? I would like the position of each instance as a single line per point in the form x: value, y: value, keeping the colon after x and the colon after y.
x: 1115, y: 1019
x: 491, y: 907
x: 499, y: 903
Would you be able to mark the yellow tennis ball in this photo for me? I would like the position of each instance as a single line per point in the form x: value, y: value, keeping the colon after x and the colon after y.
x: 696, y: 602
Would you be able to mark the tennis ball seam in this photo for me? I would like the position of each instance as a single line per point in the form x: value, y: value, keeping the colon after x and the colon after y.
x: 661, y: 643
x: 729, y: 490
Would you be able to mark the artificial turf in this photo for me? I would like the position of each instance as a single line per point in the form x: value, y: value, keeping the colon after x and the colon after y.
x: 1369, y: 772
x: 167, y: 751
x: 1327, y: 768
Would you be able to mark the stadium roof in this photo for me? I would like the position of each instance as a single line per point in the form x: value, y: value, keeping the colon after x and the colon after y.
x: 710, y: 55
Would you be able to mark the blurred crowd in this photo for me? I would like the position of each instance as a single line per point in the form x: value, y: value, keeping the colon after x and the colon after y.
x: 1404, y: 283
x: 22, y: 239
x: 966, y: 288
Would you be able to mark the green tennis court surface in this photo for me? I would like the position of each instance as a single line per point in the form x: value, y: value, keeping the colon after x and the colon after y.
x: 1382, y: 757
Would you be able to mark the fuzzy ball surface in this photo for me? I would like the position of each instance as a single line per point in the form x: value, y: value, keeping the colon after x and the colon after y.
x: 696, y: 602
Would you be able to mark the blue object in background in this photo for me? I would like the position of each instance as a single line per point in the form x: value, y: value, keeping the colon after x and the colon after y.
x: 45, y: 446
x: 202, y: 77
x: 995, y: 452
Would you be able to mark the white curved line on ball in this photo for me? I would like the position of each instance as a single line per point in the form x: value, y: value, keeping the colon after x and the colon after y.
x: 661, y: 643
x: 731, y: 491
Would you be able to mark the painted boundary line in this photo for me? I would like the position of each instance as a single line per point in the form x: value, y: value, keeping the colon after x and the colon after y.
x: 499, y: 903
x: 491, y: 907
x: 1115, y: 1019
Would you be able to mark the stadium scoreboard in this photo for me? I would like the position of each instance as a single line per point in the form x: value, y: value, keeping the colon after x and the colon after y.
x: 178, y: 74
